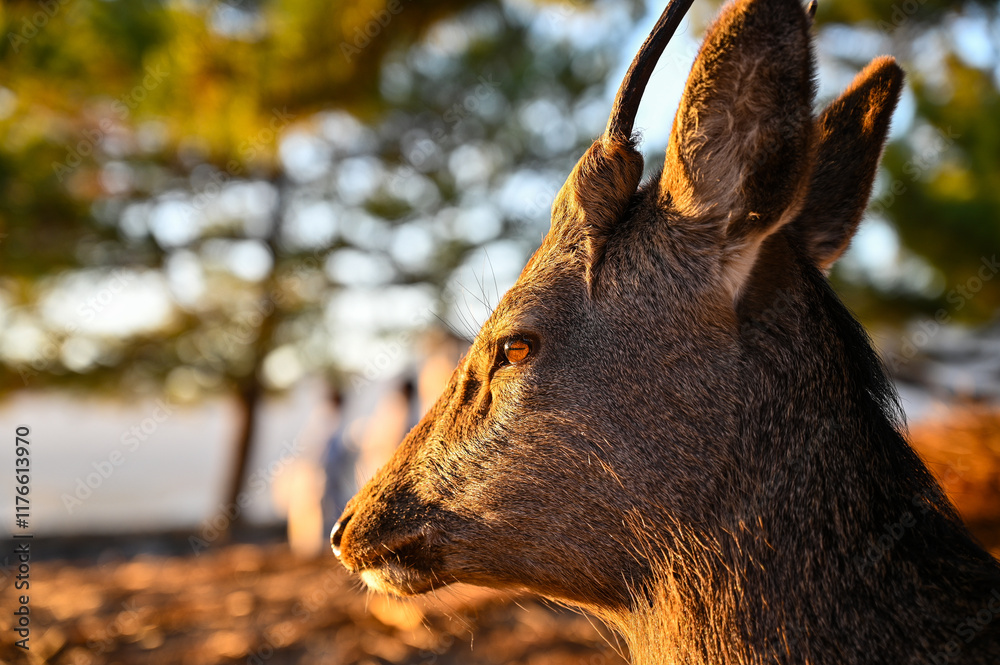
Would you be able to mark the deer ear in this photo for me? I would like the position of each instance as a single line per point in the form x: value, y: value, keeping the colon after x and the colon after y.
x: 741, y: 141
x: 851, y: 133
x: 599, y: 189
x: 595, y: 197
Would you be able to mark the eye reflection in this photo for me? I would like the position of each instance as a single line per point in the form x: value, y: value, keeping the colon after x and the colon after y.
x: 516, y: 349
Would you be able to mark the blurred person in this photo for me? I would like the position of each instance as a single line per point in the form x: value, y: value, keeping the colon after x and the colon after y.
x: 375, y: 422
x: 302, y: 488
x: 345, y: 441
x: 337, y: 463
x: 394, y: 415
x: 441, y: 351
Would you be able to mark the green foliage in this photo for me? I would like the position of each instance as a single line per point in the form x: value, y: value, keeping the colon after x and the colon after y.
x: 939, y: 186
x: 325, y: 141
x: 143, y: 136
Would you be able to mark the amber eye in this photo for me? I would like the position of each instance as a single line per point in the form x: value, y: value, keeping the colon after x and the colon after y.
x: 516, y: 349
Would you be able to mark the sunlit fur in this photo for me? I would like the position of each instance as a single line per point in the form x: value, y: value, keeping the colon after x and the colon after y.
x: 702, y: 446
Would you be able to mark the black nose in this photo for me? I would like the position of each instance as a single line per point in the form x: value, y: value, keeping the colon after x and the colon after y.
x: 338, y: 533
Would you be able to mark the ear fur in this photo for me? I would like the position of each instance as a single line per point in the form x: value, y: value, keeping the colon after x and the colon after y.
x: 851, y: 133
x: 741, y: 141
x: 595, y: 197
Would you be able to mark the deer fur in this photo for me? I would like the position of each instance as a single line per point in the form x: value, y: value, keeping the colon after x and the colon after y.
x: 702, y: 448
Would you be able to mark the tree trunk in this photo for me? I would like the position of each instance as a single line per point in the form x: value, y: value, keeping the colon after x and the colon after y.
x: 248, y: 396
x: 250, y: 390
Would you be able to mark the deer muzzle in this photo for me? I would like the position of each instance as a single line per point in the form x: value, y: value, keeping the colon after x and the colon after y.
x: 389, y: 542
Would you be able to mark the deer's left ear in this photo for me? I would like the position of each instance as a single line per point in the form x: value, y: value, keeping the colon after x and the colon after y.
x: 851, y: 133
x: 741, y: 143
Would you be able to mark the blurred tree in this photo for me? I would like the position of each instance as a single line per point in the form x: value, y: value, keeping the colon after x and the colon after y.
x: 286, y: 181
x: 940, y: 187
x: 214, y: 152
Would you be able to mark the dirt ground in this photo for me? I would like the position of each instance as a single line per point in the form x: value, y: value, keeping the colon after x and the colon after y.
x: 258, y: 604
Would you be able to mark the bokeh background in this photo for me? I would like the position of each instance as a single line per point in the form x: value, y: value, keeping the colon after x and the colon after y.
x: 243, y: 243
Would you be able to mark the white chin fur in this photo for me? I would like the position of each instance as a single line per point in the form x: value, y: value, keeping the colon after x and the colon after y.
x: 376, y: 582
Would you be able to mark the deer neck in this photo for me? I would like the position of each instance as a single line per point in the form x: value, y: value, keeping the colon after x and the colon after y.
x: 796, y: 581
x: 830, y: 523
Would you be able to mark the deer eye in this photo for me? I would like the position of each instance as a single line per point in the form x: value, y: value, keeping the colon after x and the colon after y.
x: 516, y: 349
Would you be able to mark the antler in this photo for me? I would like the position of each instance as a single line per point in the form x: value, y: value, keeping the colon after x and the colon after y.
x: 597, y: 192
x: 630, y: 93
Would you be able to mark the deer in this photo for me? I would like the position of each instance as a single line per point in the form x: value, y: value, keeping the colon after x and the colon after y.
x: 671, y: 420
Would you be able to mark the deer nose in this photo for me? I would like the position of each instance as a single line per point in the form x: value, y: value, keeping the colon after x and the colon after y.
x: 338, y: 533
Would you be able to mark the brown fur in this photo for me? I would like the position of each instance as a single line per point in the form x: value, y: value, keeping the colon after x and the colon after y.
x: 702, y: 447
x: 595, y: 197
x: 741, y: 138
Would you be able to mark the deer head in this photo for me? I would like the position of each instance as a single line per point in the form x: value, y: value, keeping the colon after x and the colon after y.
x: 638, y: 388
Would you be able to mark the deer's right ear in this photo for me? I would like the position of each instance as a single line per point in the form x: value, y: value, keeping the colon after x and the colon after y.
x: 740, y: 146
